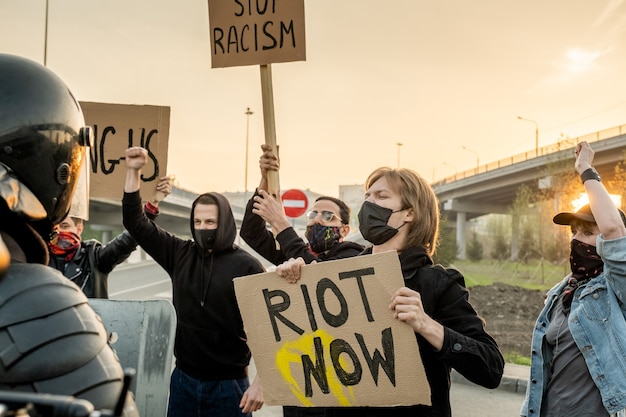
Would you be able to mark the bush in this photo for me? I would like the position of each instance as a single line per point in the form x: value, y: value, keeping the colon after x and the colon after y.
x: 474, y: 249
x: 501, y: 250
x: 527, y: 245
x: 447, y: 249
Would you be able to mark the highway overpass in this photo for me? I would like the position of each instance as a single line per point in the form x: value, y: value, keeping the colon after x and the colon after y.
x: 492, y: 188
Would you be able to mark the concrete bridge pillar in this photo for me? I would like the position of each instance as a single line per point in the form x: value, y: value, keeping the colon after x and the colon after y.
x: 105, y: 229
x: 461, y: 217
x: 106, y: 236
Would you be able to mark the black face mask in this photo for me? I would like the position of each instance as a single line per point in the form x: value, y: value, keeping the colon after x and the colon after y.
x: 205, y: 238
x: 373, y: 223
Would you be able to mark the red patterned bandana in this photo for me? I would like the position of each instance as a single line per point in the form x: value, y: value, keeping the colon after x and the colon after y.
x: 65, y: 244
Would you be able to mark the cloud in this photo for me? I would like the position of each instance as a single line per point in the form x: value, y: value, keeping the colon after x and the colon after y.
x: 579, y: 60
x: 610, y: 11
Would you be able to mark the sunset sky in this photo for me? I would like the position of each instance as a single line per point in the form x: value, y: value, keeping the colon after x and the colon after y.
x: 447, y: 79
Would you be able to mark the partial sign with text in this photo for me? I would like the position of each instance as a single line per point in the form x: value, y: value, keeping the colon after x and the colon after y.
x: 256, y: 32
x: 117, y: 127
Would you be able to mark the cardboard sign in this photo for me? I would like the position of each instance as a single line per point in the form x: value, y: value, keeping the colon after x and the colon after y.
x: 330, y: 339
x: 249, y: 32
x: 117, y: 127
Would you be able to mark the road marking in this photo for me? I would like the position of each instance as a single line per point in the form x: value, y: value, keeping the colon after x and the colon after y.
x: 113, y: 294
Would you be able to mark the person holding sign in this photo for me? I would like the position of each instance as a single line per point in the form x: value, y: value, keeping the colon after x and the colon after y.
x: 210, y: 378
x: 401, y: 214
x: 578, y: 367
x: 88, y: 263
x: 329, y: 224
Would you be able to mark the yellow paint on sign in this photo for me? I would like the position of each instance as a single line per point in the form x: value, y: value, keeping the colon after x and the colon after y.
x: 291, y: 353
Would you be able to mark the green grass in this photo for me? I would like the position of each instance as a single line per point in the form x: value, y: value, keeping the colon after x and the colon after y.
x: 534, y: 275
x: 517, y: 359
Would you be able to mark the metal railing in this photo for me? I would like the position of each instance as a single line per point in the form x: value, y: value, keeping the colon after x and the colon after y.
x: 545, y: 150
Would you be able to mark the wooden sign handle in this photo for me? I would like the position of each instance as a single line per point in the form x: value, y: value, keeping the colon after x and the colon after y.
x: 269, y: 123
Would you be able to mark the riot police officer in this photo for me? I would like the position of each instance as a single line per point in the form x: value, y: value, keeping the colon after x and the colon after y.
x: 51, y: 340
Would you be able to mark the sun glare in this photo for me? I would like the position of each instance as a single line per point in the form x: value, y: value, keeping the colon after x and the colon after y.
x: 579, y: 60
x: 584, y: 199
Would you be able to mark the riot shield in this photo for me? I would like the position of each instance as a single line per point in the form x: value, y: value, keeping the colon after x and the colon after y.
x: 142, y: 334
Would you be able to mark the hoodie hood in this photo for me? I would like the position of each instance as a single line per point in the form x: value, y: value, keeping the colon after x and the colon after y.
x: 226, y: 226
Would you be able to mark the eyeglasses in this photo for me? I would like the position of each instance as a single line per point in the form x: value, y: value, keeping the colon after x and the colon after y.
x: 327, y: 216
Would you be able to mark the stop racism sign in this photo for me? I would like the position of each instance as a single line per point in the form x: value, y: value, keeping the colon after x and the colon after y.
x: 295, y: 203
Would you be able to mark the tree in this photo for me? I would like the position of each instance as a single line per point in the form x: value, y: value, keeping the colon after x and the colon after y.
x: 617, y: 185
x: 499, y: 232
x: 564, y: 187
x: 474, y: 249
x: 500, y: 251
x: 523, y: 214
x: 527, y: 245
x: 447, y: 248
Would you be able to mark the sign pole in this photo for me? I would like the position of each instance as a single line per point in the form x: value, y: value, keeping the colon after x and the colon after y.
x: 269, y: 123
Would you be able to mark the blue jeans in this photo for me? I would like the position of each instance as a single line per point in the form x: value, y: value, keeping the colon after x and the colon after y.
x: 194, y: 397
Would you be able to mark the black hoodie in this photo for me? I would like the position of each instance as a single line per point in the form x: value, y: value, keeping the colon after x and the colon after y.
x: 467, y: 347
x: 210, y: 340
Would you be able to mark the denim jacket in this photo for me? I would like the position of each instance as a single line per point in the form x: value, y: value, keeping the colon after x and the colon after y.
x: 598, y: 325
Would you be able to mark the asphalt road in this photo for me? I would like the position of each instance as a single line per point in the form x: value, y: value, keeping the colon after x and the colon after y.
x: 147, y: 280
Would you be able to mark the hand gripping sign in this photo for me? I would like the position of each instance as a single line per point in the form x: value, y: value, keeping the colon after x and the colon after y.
x: 330, y: 339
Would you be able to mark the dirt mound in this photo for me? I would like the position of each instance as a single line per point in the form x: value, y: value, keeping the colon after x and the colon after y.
x: 510, y: 313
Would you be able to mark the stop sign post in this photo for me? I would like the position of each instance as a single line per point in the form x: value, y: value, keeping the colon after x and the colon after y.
x: 295, y: 203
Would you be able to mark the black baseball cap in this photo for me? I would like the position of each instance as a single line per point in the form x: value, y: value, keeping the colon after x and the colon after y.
x: 584, y: 213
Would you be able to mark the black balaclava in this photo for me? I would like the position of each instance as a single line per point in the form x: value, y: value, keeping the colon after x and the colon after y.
x: 205, y: 238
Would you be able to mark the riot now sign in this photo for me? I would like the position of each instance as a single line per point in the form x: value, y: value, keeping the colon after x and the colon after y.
x: 330, y: 339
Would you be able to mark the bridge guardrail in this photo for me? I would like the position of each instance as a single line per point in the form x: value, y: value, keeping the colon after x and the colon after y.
x: 544, y: 150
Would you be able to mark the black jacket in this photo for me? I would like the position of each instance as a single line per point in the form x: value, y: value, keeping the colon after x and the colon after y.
x: 210, y: 340
x: 52, y: 342
x: 467, y: 347
x: 92, y: 263
x: 254, y: 232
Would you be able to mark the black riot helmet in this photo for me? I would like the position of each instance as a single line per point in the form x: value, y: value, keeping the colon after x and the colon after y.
x: 43, y: 140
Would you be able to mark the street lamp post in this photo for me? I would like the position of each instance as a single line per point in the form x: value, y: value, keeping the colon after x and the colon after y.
x: 477, y: 157
x: 399, y: 145
x: 536, y: 133
x: 45, y: 40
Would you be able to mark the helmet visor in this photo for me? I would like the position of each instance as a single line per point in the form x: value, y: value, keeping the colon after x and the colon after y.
x: 80, y: 199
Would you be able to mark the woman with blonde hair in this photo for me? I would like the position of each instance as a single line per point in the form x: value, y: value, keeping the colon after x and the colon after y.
x: 401, y: 213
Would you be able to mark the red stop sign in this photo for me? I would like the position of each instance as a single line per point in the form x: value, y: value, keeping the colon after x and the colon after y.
x: 295, y: 203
